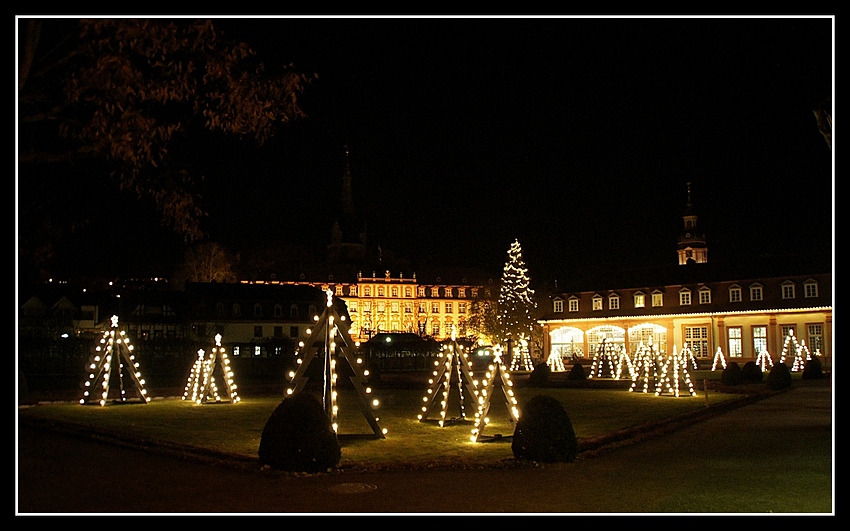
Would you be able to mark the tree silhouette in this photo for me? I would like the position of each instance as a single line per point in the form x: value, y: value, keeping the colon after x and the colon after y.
x: 128, y: 103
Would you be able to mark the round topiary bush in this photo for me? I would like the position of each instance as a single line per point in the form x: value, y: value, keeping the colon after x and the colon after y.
x: 751, y: 372
x: 539, y: 377
x: 732, y: 375
x: 779, y: 377
x: 544, y: 432
x: 813, y: 369
x: 298, y: 437
x: 577, y: 373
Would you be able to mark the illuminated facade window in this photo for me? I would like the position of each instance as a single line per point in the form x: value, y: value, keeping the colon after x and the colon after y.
x: 408, y: 307
x: 423, y: 307
x: 367, y: 291
x: 787, y: 330
x: 380, y: 291
x: 573, y: 305
x: 597, y: 303
x: 640, y: 300
x: 448, y: 292
x: 759, y: 339
x: 435, y: 307
x: 435, y: 292
x: 449, y: 307
x: 685, y: 297
x: 338, y: 290
x: 435, y: 329
x: 735, y: 294
x: 657, y: 299
x: 394, y: 307
x: 352, y: 290
x: 461, y: 292
x: 421, y: 291
x: 697, y: 338
x: 258, y: 350
x: 704, y: 296
x: 558, y: 305
x: 815, y: 341
x: 352, y: 307
x: 755, y: 292
x: 461, y: 307
x: 735, y: 341
x: 394, y: 291
x: 613, y: 302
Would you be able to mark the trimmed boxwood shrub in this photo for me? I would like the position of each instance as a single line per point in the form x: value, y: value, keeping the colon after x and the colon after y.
x: 577, y: 373
x: 751, y: 372
x: 732, y: 375
x: 813, y: 369
x: 544, y: 432
x: 779, y: 377
x: 298, y: 437
x: 539, y: 377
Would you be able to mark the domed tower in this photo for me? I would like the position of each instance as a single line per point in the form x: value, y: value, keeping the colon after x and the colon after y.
x: 692, y: 246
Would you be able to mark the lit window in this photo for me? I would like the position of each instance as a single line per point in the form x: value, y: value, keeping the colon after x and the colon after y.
x: 735, y: 341
x: 657, y: 299
x: 448, y: 292
x: 435, y: 307
x: 435, y: 292
x: 338, y: 290
x: 395, y: 291
x: 613, y: 302
x: 573, y: 305
x: 597, y: 303
x: 461, y: 307
x: 697, y: 339
x: 408, y: 292
x: 394, y: 307
x: 352, y: 307
x: 461, y: 292
x: 559, y: 305
x: 421, y: 292
x: 755, y: 292
x: 815, y: 337
x: 449, y: 307
x: 352, y: 290
x: 705, y: 296
x: 685, y: 298
x: 640, y: 300
x: 380, y: 291
x: 258, y: 350
x: 408, y: 307
x: 367, y: 291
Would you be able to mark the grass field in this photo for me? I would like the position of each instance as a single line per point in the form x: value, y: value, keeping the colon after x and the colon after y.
x: 236, y: 428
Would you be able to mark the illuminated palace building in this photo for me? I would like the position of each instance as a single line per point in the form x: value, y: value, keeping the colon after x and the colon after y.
x: 697, y: 305
x: 427, y: 304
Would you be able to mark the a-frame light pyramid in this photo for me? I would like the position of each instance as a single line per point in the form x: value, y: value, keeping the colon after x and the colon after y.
x: 764, y: 360
x: 113, y: 371
x: 329, y: 342
x: 555, y: 363
x: 452, y: 359
x: 521, y: 358
x: 688, y: 354
x: 497, y: 376
x: 718, y: 358
x: 202, y: 386
x: 799, y: 361
x: 674, y: 372
x: 646, y: 366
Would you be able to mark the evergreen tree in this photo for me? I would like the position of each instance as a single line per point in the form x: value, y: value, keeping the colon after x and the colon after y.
x: 516, y: 307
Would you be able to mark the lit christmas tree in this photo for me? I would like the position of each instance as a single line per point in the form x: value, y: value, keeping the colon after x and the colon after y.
x: 764, y: 360
x: 516, y: 307
x: 202, y: 386
x: 674, y: 373
x: 116, y: 368
x: 718, y: 358
x: 331, y: 337
x: 496, y: 377
x: 453, y: 359
x: 799, y: 361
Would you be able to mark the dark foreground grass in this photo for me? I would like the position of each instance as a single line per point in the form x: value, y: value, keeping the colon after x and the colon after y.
x: 235, y: 430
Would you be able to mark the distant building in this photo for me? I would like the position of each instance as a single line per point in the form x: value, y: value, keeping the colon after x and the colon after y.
x: 740, y: 309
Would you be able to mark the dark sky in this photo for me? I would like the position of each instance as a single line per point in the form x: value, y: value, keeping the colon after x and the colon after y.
x: 577, y: 136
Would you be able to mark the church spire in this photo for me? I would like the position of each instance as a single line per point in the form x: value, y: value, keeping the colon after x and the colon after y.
x: 347, y: 197
x: 692, y: 244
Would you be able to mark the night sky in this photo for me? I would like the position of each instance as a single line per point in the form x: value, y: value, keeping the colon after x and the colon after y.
x: 577, y: 136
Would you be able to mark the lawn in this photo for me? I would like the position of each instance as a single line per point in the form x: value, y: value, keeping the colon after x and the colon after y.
x: 236, y: 428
